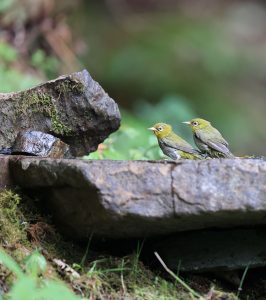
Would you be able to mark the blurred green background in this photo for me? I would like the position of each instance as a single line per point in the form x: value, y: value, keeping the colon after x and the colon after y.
x: 163, y: 61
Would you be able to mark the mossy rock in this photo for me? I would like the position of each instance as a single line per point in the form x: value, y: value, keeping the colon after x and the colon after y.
x: 74, y: 108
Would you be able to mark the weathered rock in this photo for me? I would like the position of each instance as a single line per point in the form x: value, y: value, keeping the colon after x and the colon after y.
x: 122, y: 199
x: 206, y: 250
x: 40, y: 144
x: 74, y: 108
x: 5, y: 178
x: 6, y: 151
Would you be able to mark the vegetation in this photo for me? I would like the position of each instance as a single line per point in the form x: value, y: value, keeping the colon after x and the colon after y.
x: 134, y: 141
x: 209, y: 56
x: 32, y: 102
x: 30, y: 284
x: 34, y: 261
x: 12, y: 79
x: 160, y: 65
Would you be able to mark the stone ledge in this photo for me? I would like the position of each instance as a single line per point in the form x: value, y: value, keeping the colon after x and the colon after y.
x: 124, y: 199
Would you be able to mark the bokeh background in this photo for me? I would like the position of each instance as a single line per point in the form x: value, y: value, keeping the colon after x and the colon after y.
x: 160, y: 60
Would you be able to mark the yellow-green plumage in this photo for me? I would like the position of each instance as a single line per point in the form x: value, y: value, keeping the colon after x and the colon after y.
x: 173, y: 145
x: 208, y: 139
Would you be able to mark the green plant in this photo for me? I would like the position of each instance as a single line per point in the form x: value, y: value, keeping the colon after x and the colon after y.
x: 131, y: 141
x: 32, y: 284
x: 193, y: 293
x: 5, y: 5
x: 47, y: 64
x: 10, y: 78
x: 8, y: 54
x: 127, y: 278
x: 11, y: 219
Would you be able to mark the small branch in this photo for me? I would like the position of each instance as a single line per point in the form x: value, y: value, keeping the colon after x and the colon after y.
x: 189, y: 289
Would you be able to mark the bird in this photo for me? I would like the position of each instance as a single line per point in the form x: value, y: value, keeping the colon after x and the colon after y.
x: 173, y: 145
x: 208, y: 139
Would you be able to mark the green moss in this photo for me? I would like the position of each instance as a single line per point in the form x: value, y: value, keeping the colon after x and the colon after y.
x: 68, y: 87
x: 12, y: 229
x: 101, y: 276
x: 41, y: 102
x: 32, y: 102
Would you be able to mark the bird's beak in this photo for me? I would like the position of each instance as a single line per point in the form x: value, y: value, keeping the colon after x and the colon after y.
x: 152, y: 128
x: 187, y: 122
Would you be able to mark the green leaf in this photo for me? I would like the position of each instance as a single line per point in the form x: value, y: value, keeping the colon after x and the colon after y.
x: 9, y: 262
x: 7, y: 53
x: 5, y: 5
x: 35, y: 264
x: 55, y: 291
x: 23, y: 289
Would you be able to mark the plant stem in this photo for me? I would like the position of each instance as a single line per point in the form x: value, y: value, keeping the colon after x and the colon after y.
x: 189, y: 289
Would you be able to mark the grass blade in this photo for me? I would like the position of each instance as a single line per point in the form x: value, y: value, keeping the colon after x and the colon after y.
x: 188, y: 288
x: 242, y: 280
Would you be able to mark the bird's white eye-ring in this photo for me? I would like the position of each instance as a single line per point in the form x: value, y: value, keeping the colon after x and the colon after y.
x: 195, y: 123
x: 160, y: 128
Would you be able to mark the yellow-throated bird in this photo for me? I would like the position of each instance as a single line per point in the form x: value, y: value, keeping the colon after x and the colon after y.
x: 208, y: 139
x: 173, y: 145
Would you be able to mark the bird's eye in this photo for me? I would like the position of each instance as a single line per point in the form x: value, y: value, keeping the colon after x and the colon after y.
x: 194, y: 123
x: 160, y: 128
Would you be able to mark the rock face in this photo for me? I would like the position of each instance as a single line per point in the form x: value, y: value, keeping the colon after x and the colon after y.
x: 74, y: 108
x: 5, y: 178
x: 206, y: 250
x: 123, y: 199
x: 40, y: 144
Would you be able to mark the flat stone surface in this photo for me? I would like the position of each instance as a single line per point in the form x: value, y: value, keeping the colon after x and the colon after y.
x: 74, y: 108
x: 123, y: 199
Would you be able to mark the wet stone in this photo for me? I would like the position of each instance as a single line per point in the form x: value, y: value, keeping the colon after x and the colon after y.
x: 40, y: 144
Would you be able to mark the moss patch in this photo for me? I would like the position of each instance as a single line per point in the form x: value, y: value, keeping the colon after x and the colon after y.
x: 41, y: 102
x: 68, y: 87
x: 12, y: 226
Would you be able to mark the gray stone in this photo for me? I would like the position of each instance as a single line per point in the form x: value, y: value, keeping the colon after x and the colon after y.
x: 37, y: 143
x: 123, y: 199
x: 74, y: 108
x: 206, y: 250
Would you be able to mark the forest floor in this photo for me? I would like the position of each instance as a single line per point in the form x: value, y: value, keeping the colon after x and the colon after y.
x: 91, y: 273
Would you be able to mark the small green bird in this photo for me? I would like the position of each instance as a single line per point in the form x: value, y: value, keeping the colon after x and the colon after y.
x: 208, y: 139
x: 173, y: 145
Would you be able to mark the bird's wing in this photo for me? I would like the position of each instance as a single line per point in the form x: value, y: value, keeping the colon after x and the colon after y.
x: 214, y: 140
x: 181, y: 145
